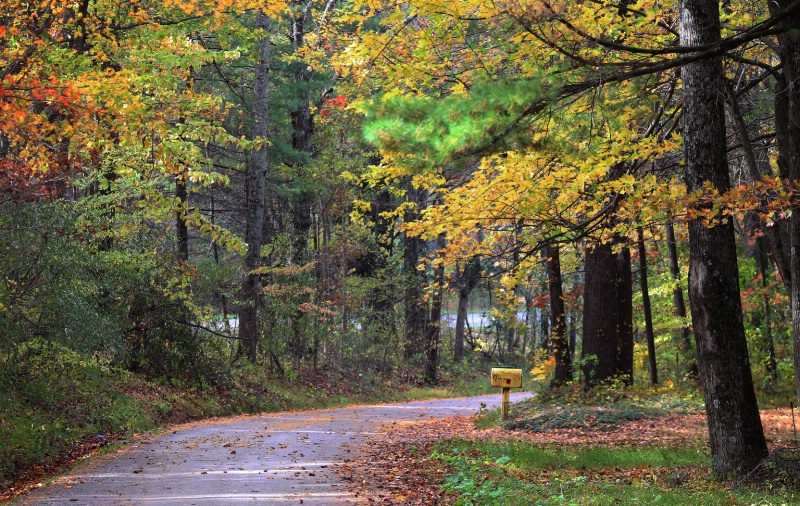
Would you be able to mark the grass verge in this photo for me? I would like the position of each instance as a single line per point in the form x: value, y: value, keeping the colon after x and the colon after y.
x: 520, y: 473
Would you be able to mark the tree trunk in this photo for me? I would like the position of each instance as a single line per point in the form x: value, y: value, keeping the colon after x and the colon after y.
x: 758, y: 166
x: 607, y: 316
x: 648, y: 315
x: 600, y: 311
x: 558, y: 334
x: 736, y: 434
x: 416, y: 314
x: 302, y: 139
x: 217, y: 294
x: 783, y: 142
x: 256, y: 177
x: 766, y: 321
x: 301, y: 201
x: 544, y: 324
x: 435, y: 320
x: 180, y: 222
x: 625, y: 316
x: 787, y: 130
x: 677, y: 292
x: 467, y: 282
x: 573, y: 336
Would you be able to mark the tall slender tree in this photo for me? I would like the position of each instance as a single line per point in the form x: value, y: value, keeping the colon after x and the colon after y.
x: 256, y: 179
x: 467, y: 280
x: 648, y: 314
x: 558, y: 323
x: 677, y: 292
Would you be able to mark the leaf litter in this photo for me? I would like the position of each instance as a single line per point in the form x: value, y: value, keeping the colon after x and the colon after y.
x: 397, y: 467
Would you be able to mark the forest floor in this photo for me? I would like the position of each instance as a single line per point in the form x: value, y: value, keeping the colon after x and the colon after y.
x: 453, y: 461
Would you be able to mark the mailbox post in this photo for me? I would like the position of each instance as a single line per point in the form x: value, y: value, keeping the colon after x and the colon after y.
x: 506, y: 379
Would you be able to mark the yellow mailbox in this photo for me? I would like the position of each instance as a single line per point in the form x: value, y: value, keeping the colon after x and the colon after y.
x: 506, y: 379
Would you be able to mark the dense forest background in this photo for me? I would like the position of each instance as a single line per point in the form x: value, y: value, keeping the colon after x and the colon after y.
x: 203, y: 195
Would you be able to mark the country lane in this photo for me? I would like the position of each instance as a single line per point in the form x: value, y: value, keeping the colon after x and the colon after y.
x: 280, y: 458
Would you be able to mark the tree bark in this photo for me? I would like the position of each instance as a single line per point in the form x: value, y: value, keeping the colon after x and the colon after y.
x: 758, y: 166
x: 625, y: 316
x: 544, y: 324
x: 302, y: 143
x: 180, y: 221
x: 558, y: 334
x: 416, y: 311
x: 787, y: 130
x: 435, y: 320
x: 607, y: 316
x: 302, y: 139
x: 766, y: 320
x: 467, y: 282
x: 600, y: 312
x: 648, y: 314
x: 677, y: 292
x: 736, y: 434
x: 573, y: 336
x: 256, y: 177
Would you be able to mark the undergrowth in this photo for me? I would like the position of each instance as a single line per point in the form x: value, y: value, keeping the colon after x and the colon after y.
x: 572, y: 407
x: 576, y: 417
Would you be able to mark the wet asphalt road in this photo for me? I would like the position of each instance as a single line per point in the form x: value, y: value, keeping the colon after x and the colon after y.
x: 282, y: 458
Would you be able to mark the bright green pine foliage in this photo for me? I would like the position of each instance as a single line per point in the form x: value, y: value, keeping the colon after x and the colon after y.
x: 551, y: 112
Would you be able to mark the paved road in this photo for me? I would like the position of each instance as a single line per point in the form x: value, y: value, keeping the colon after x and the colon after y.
x: 283, y: 458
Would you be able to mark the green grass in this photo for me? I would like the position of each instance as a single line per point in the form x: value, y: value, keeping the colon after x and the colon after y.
x: 521, y: 473
x: 518, y: 473
x: 527, y: 456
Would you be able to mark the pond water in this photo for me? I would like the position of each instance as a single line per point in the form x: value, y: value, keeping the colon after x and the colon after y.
x: 474, y: 319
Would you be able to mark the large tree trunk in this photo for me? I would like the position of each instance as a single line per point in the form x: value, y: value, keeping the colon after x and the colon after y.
x: 467, y: 282
x: 736, y: 434
x: 607, y: 316
x: 787, y: 130
x: 256, y: 177
x: 558, y: 323
x: 648, y: 314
